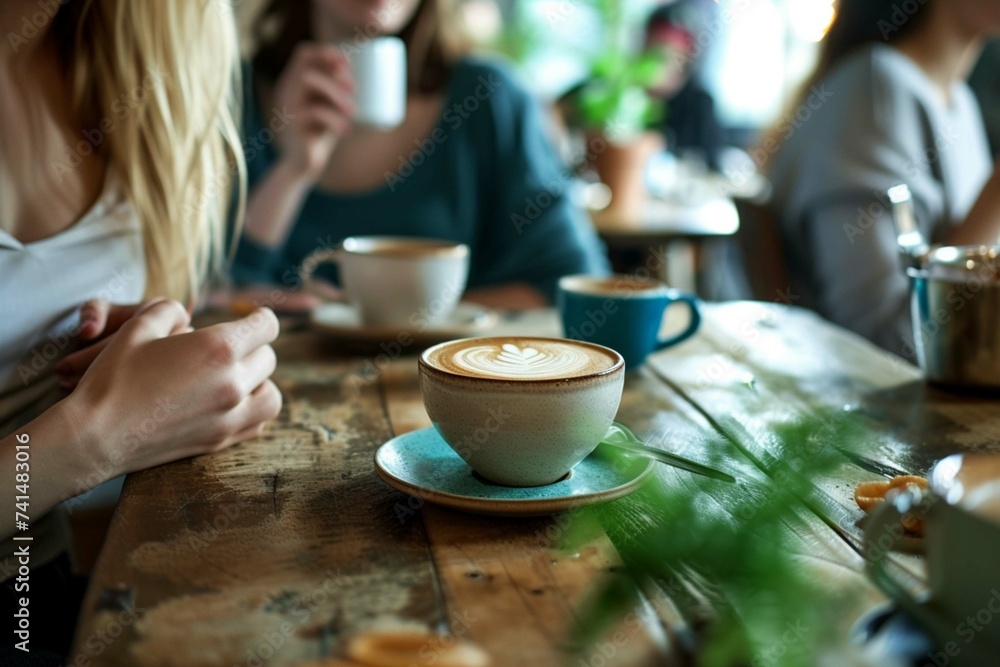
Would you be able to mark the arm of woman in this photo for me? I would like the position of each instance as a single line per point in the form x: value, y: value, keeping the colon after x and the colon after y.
x: 156, y: 393
x: 534, y: 234
x: 860, y: 283
x: 315, y: 96
x: 982, y: 225
x: 46, y: 461
x: 872, y: 133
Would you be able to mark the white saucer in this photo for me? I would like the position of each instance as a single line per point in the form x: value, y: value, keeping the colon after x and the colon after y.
x: 342, y: 321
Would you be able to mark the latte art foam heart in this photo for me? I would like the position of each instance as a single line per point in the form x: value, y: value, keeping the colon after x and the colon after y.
x: 521, y: 359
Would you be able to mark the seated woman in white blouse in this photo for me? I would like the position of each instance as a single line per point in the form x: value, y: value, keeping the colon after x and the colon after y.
x: 115, y: 126
x: 887, y: 105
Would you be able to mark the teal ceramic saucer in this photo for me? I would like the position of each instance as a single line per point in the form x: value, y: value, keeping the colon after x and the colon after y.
x: 421, y: 464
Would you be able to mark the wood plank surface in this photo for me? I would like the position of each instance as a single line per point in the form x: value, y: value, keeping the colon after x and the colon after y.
x: 274, y: 550
x: 511, y: 575
x: 757, y: 371
x: 277, y: 551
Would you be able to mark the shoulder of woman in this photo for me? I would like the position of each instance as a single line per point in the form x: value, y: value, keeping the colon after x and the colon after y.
x: 899, y: 88
x: 491, y: 81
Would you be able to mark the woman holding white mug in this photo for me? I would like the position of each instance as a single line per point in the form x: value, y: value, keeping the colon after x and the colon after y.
x: 470, y: 162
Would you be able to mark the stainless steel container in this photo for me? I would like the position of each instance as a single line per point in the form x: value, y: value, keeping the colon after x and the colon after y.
x: 956, y: 315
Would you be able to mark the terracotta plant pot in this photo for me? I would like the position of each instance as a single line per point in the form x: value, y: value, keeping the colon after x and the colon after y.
x: 621, y: 167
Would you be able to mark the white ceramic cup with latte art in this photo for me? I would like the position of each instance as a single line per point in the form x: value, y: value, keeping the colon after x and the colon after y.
x: 521, y: 411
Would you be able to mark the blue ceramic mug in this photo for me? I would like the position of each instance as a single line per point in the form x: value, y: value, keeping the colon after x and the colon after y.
x: 623, y: 313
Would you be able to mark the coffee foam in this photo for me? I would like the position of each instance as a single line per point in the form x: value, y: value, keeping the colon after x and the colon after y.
x: 615, y: 286
x: 391, y: 246
x: 520, y: 358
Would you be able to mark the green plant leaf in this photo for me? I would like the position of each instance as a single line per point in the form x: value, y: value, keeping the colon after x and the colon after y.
x: 742, y: 546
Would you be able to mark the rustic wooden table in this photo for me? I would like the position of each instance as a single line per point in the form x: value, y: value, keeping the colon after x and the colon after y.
x: 278, y: 551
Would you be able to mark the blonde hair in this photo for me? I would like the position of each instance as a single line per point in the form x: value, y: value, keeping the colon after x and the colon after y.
x: 176, y: 151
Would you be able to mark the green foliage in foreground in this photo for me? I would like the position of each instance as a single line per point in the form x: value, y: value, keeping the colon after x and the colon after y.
x: 732, y: 548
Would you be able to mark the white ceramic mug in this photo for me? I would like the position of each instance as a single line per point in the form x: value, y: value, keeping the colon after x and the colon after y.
x: 395, y: 281
x: 379, y: 69
x: 528, y: 431
x: 961, y: 515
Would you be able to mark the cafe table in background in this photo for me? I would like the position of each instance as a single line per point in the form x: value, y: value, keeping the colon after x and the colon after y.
x: 281, y: 550
x: 684, y: 210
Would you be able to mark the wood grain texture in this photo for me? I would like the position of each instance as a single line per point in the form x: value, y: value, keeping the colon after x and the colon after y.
x: 760, y: 371
x: 509, y: 577
x: 277, y: 551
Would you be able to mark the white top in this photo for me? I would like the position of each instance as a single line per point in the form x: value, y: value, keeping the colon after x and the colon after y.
x: 874, y: 122
x: 42, y: 286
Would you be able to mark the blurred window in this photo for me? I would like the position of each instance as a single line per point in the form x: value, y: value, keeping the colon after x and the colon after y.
x: 757, y: 51
x: 763, y: 50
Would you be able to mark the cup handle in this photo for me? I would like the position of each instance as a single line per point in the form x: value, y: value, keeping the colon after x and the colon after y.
x: 694, y: 304
x: 313, y: 262
x: 879, y: 525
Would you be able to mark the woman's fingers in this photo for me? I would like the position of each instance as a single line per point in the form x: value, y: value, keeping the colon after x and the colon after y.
x: 324, y: 56
x: 244, y: 435
x: 320, y: 86
x: 261, y: 405
x: 99, y: 318
x: 93, y: 318
x: 235, y: 340
x: 256, y: 367
x: 157, y: 319
x: 325, y: 119
x: 72, y: 367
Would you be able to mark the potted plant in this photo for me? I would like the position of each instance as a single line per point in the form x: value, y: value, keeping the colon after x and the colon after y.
x: 613, y: 105
x: 616, y: 109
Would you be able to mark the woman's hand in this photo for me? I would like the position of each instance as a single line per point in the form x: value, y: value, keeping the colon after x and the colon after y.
x: 316, y: 91
x: 99, y: 319
x: 159, y: 392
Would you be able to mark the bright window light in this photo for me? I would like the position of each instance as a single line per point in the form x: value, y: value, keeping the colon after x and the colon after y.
x: 811, y: 19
